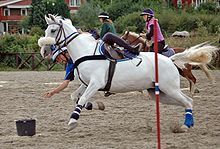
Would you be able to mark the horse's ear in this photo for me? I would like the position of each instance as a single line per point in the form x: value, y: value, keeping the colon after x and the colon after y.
x: 60, y: 22
x: 52, y: 17
x: 48, y: 20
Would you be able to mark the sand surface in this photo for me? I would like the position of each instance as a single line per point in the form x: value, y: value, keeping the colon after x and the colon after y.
x: 128, y: 122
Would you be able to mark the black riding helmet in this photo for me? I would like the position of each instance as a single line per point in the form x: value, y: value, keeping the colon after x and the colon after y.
x: 103, y: 15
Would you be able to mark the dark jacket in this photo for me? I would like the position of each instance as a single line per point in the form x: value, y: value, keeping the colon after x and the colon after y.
x: 107, y: 27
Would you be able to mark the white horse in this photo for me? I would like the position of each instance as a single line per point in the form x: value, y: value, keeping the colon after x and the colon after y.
x: 128, y: 75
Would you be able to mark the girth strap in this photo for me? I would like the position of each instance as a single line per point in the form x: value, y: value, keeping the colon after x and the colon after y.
x: 111, y: 72
x: 91, y: 57
x: 98, y: 57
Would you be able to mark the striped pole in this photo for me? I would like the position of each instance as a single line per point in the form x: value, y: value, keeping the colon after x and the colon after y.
x: 157, y: 91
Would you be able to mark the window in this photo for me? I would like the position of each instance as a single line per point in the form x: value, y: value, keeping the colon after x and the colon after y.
x: 75, y: 2
x: 23, y: 12
x: 6, y: 12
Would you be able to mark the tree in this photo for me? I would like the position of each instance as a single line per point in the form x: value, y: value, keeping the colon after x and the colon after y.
x: 37, y: 13
x: 87, y: 16
x: 40, y: 8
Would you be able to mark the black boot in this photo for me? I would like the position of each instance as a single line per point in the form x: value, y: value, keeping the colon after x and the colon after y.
x: 111, y: 39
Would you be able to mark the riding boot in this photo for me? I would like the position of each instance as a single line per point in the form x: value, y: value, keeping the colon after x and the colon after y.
x: 111, y: 38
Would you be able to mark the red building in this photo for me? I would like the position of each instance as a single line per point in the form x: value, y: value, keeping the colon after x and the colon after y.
x: 13, y: 11
x: 184, y: 3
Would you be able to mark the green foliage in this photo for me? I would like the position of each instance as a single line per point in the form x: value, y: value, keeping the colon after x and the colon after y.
x: 87, y: 16
x: 126, y: 15
x: 58, y: 7
x: 209, y: 7
x: 171, y: 21
x: 19, y: 43
x: 36, y: 31
x: 132, y: 22
x: 25, y: 24
x: 40, y: 8
x: 202, y: 30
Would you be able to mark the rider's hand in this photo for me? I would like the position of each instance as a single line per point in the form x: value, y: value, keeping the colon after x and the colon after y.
x: 48, y: 94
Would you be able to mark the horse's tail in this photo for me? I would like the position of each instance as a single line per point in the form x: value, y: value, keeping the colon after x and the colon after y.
x: 205, y: 69
x: 200, y: 54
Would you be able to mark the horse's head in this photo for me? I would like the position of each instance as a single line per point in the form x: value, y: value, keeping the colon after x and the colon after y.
x: 134, y: 39
x: 125, y: 35
x: 58, y: 32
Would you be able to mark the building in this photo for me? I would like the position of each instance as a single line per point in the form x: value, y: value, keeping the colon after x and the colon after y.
x: 13, y: 11
x: 195, y: 3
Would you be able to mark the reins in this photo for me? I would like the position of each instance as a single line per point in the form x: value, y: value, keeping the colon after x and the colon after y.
x: 126, y: 37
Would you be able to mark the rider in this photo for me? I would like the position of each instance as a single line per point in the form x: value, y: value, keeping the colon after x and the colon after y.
x: 148, y: 16
x: 107, y: 24
x: 108, y: 34
x: 62, y: 56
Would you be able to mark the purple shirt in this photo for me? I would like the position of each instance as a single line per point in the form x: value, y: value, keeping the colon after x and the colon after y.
x: 159, y: 33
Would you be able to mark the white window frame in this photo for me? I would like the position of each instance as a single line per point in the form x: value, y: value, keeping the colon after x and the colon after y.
x: 23, y: 9
x: 73, y: 3
x: 5, y: 12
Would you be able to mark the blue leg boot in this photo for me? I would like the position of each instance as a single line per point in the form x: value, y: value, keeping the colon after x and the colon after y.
x: 189, y: 122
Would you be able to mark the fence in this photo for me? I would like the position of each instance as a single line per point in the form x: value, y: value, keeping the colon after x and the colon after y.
x: 31, y: 61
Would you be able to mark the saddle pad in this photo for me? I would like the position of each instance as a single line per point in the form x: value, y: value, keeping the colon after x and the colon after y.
x: 168, y: 52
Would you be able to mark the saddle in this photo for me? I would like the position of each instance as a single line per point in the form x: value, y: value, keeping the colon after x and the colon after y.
x: 113, y: 53
x: 116, y: 53
x: 167, y: 51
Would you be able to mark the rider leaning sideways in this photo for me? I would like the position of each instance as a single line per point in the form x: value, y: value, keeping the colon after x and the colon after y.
x: 62, y: 56
x: 148, y: 16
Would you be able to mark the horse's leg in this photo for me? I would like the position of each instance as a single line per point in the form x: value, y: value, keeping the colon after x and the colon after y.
x: 89, y: 105
x: 94, y: 85
x: 187, y: 73
x: 177, y: 99
x: 207, y: 72
x: 191, y: 78
x: 174, y: 93
x: 78, y: 93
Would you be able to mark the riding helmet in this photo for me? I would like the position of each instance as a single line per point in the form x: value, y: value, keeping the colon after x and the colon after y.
x: 147, y: 11
x: 57, y: 52
x: 103, y: 15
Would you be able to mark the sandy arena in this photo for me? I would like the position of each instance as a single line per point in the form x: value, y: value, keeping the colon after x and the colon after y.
x: 128, y: 122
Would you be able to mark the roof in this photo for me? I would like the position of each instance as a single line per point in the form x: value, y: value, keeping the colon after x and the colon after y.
x: 8, y: 2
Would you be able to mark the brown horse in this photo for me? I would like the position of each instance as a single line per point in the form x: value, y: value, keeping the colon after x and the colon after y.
x: 186, y: 72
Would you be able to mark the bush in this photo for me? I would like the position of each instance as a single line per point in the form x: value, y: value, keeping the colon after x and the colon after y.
x: 19, y: 43
x: 36, y: 31
x: 209, y: 7
x: 132, y: 22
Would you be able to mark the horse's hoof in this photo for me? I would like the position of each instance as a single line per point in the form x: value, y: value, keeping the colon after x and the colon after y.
x: 101, y: 105
x: 196, y: 90
x: 72, y: 124
x: 179, y: 129
x: 184, y: 128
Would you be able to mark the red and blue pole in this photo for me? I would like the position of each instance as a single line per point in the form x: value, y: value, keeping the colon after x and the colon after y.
x: 157, y: 91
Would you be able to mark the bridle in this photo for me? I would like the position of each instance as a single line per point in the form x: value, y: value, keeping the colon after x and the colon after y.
x: 66, y: 40
x: 125, y: 37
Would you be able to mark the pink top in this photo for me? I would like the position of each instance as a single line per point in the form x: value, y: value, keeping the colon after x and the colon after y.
x: 159, y: 33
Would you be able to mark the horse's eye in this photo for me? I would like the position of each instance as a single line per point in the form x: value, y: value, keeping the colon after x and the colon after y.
x: 53, y: 30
